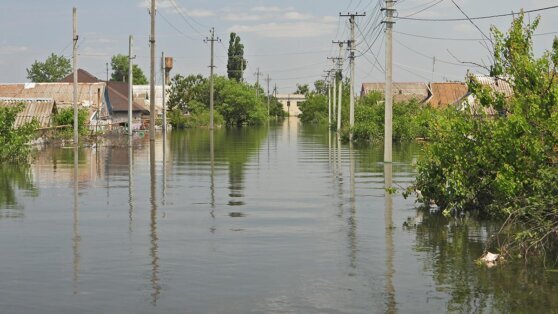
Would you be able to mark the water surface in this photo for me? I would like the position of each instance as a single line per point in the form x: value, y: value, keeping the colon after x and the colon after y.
x: 278, y: 219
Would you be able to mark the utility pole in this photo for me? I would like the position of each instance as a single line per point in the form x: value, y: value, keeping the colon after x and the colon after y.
x: 152, y: 75
x: 74, y: 58
x: 340, y: 90
x: 388, y: 120
x: 130, y: 86
x: 328, y: 84
x: 268, y: 98
x: 336, y: 62
x: 352, y: 47
x: 107, y: 72
x: 164, y: 76
x: 257, y: 74
x: 211, y: 39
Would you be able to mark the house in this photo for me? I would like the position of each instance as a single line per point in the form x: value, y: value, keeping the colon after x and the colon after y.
x: 291, y: 103
x: 116, y: 99
x: 142, y: 92
x: 446, y: 94
x: 402, y: 91
x: 40, y: 109
x: 497, y: 85
x: 90, y: 96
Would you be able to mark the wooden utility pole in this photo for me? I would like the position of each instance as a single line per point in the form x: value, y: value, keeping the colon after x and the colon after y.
x: 352, y: 47
x: 258, y: 73
x: 130, y: 85
x: 388, y: 120
x: 211, y: 39
x: 152, y: 74
x: 340, y: 90
x: 74, y: 60
x: 164, y: 81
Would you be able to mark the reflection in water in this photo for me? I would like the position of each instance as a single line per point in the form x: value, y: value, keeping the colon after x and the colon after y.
x: 130, y: 185
x: 13, y: 178
x: 155, y: 285
x: 164, y: 184
x: 212, y: 179
x: 76, y: 238
x: 352, y: 218
x: 391, y: 304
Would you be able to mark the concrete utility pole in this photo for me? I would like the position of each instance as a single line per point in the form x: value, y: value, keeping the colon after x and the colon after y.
x: 164, y: 81
x: 130, y: 85
x: 257, y: 74
x: 211, y: 39
x: 352, y: 47
x: 152, y: 74
x: 340, y: 90
x: 74, y: 58
x: 334, y: 71
x: 388, y: 132
x: 268, y: 96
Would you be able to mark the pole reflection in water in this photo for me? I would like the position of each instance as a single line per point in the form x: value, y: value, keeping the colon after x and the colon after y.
x: 155, y: 285
x: 130, y: 185
x: 391, y: 303
x: 352, y: 219
x: 212, y: 179
x: 164, y: 184
x: 76, y: 238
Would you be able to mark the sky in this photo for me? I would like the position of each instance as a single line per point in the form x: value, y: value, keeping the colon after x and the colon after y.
x: 289, y: 40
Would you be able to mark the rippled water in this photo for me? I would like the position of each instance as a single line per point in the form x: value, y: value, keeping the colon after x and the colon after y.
x: 279, y: 219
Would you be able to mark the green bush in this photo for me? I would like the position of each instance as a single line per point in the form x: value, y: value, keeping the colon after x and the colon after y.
x: 504, y: 166
x: 14, y: 141
x: 66, y: 117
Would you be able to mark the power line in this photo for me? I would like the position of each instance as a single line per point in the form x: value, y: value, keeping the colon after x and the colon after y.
x: 422, y: 10
x: 459, y: 39
x: 474, y: 18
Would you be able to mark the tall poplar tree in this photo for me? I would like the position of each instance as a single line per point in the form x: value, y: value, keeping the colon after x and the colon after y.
x: 236, y: 63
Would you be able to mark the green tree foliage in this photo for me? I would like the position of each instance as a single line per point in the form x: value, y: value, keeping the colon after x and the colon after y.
x: 183, y: 90
x: 66, y: 117
x: 14, y: 141
x: 235, y: 102
x: 120, y: 66
x: 302, y: 89
x: 236, y: 63
x: 53, y: 69
x: 503, y: 166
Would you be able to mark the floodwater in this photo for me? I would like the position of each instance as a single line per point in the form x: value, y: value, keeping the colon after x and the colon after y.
x: 278, y: 219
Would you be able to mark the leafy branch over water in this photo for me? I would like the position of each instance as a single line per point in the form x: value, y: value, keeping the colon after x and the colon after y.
x: 503, y: 166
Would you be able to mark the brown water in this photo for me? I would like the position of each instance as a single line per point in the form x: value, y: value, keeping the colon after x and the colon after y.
x: 261, y: 220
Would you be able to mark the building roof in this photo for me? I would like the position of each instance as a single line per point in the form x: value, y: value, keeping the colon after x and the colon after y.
x: 89, y: 94
x: 40, y: 109
x: 498, y: 85
x: 118, y: 94
x: 117, y: 91
x: 83, y: 77
x: 402, y: 91
x: 444, y: 94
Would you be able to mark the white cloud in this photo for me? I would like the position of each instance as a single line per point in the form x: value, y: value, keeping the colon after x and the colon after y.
x: 293, y: 15
x: 286, y: 30
x: 241, y: 17
x: 8, y: 49
x: 200, y: 13
x: 266, y: 9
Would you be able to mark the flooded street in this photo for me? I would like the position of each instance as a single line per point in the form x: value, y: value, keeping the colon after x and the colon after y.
x: 278, y: 219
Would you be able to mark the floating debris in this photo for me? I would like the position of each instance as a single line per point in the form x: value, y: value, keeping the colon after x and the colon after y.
x: 237, y: 214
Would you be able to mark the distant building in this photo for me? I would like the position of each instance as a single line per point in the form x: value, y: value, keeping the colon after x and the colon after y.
x: 141, y: 96
x: 116, y: 98
x: 90, y: 96
x: 402, y: 91
x: 291, y: 103
x: 446, y: 94
x: 497, y: 85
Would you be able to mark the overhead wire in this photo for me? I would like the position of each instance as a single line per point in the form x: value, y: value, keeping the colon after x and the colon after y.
x: 473, y: 18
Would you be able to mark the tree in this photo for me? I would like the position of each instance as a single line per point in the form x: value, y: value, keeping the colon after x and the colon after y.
x: 236, y: 63
x: 120, y: 65
x: 53, y: 69
x: 302, y: 89
x: 14, y: 142
x: 185, y: 90
x: 504, y: 165
x: 320, y: 87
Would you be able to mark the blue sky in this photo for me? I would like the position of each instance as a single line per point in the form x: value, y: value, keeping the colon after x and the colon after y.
x: 289, y: 40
